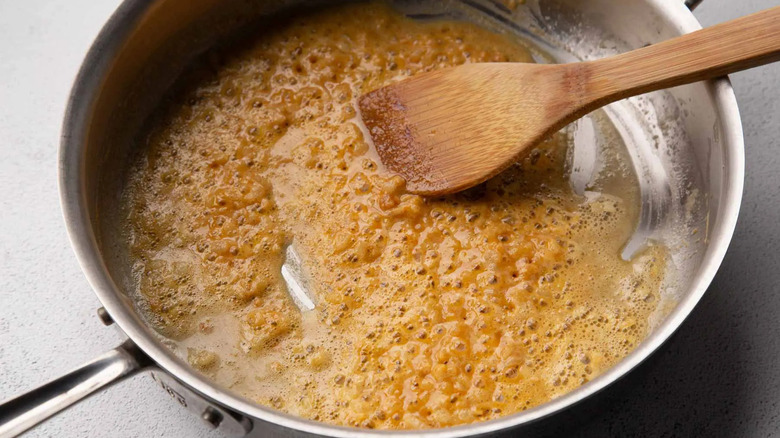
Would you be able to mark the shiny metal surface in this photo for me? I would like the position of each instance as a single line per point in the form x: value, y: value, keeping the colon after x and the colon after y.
x: 21, y: 413
x: 106, y: 109
x: 215, y: 417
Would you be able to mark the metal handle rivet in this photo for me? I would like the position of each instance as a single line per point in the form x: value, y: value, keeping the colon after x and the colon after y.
x: 105, y: 318
x: 212, y: 417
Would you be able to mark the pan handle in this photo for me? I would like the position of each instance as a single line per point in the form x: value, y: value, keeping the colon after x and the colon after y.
x: 27, y: 410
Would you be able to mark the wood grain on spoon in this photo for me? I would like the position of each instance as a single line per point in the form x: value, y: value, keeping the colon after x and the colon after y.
x: 447, y: 130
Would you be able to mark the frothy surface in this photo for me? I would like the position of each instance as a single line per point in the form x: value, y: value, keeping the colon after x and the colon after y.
x: 429, y: 312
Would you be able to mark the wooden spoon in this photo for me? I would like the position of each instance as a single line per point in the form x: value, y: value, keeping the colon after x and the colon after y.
x: 447, y: 130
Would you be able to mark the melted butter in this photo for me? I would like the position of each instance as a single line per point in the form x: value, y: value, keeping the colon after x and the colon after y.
x: 430, y: 312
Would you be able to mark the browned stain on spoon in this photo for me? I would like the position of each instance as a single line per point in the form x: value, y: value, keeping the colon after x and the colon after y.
x: 395, y: 139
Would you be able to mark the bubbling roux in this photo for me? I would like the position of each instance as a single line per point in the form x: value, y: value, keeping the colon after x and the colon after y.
x: 429, y: 312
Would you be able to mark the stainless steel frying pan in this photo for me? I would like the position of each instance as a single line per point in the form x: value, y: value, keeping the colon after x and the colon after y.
x: 686, y: 145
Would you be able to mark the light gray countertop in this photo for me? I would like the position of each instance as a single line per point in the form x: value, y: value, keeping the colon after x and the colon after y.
x: 718, y: 376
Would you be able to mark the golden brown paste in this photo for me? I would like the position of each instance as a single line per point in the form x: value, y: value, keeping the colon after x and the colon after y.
x: 429, y: 312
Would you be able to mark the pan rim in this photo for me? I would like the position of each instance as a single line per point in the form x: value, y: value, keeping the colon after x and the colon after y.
x: 80, y: 231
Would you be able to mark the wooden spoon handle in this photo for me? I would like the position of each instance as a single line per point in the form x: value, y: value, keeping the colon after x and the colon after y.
x: 725, y: 48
